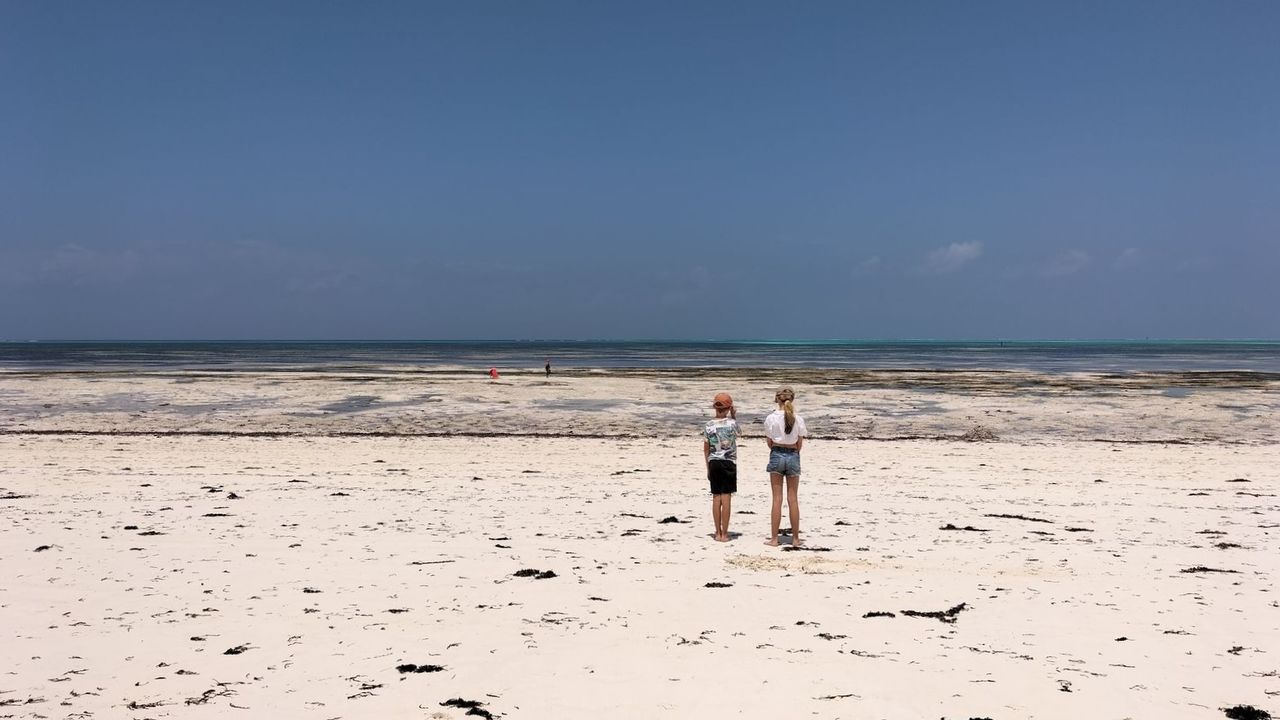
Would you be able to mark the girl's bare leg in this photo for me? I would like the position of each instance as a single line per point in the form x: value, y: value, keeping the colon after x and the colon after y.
x: 793, y: 504
x: 775, y: 513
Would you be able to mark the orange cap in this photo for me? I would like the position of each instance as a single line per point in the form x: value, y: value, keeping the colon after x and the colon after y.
x: 722, y: 400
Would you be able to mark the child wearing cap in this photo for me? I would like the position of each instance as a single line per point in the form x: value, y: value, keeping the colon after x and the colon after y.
x: 720, y: 453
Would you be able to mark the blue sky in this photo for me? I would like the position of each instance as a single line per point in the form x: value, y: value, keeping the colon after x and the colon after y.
x: 639, y: 170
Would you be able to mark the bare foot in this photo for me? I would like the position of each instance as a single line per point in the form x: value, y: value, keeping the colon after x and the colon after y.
x: 722, y: 538
x: 795, y: 542
x: 771, y: 543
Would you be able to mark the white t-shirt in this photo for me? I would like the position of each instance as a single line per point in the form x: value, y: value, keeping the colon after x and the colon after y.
x: 722, y: 435
x: 775, y: 425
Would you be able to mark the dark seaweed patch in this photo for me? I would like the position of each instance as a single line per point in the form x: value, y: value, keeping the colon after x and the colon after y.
x: 1016, y: 517
x: 946, y: 616
x: 411, y: 668
x: 473, y: 707
x: 535, y: 574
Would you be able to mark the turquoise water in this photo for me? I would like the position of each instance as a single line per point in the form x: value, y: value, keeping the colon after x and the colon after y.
x: 1043, y: 356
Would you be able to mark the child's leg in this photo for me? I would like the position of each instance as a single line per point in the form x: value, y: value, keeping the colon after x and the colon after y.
x: 775, y: 513
x: 793, y: 505
x: 715, y: 513
x: 725, y: 512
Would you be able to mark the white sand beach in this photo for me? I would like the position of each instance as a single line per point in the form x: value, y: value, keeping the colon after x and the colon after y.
x: 1112, y: 554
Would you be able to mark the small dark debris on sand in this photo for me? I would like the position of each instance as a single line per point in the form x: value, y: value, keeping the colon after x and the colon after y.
x: 217, y: 515
x: 1017, y: 517
x: 598, y: 599
x: 135, y: 705
x: 150, y: 532
x: 1235, y: 650
x: 531, y: 472
x: 841, y: 522
x: 671, y: 519
x: 1122, y: 638
x: 979, y: 433
x: 805, y: 548
x: 628, y: 472
x: 473, y: 707
x: 1238, y: 480
x: 233, y: 496
x: 969, y: 528
x: 431, y: 562
x: 946, y: 616
x: 130, y: 527
x: 1203, y: 569
x: 1211, y: 532
x: 1196, y: 493
x: 1075, y: 529
x: 411, y: 668
x: 339, y: 494
x: 311, y: 590
x: 718, y: 585
x: 1227, y: 545
x: 13, y: 496
x: 878, y: 613
x: 397, y: 611
x: 535, y: 574
x: 42, y: 548
x: 829, y: 636
x: 634, y: 515
x: 1247, y: 712
x: 235, y: 650
x: 16, y: 701
x: 749, y: 512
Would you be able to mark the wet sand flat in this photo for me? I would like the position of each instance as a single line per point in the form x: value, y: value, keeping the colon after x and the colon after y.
x: 1213, y: 407
x: 191, y: 575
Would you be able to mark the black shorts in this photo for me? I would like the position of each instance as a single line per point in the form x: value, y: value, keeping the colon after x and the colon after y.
x: 723, y: 476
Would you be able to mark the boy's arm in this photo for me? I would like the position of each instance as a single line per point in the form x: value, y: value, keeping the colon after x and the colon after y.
x: 706, y: 452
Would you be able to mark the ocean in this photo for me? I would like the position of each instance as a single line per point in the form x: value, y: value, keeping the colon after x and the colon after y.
x: 1036, y: 356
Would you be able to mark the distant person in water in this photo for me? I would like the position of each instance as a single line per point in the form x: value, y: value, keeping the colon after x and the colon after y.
x: 784, y: 431
x: 720, y: 454
x: 548, y: 367
x: 493, y: 373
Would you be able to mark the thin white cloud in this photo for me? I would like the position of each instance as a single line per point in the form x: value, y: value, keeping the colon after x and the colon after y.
x: 1129, y: 257
x: 952, y: 257
x: 867, y: 266
x: 1067, y: 263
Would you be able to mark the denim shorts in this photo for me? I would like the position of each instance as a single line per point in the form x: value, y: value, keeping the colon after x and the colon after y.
x: 784, y: 461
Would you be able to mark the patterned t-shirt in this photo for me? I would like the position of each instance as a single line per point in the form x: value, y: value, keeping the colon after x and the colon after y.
x: 722, y: 434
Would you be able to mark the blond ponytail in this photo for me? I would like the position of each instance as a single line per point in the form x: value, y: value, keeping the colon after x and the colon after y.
x: 784, y: 397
